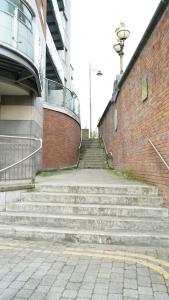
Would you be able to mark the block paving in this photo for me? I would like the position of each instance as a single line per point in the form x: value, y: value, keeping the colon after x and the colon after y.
x: 45, y: 270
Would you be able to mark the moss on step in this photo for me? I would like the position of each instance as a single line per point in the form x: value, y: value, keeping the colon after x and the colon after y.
x: 130, y: 174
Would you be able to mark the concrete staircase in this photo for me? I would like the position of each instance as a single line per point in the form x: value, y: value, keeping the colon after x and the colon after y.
x: 92, y: 155
x: 128, y: 214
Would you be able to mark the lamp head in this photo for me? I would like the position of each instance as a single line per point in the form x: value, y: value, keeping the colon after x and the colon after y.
x: 118, y: 46
x: 99, y: 73
x: 122, y: 32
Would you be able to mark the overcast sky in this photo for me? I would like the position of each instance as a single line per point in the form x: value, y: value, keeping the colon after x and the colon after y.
x: 92, y: 38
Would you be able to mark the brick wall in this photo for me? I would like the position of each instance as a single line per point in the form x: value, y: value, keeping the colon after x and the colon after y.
x: 140, y: 121
x: 61, y: 139
x: 85, y: 134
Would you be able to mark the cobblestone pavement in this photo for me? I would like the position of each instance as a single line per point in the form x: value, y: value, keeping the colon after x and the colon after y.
x: 44, y: 270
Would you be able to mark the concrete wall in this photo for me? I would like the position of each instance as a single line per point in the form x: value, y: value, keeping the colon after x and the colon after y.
x: 61, y: 139
x: 21, y: 115
x: 139, y: 121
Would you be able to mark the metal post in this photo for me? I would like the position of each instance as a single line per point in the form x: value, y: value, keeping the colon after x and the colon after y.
x: 90, y: 91
x: 121, y: 63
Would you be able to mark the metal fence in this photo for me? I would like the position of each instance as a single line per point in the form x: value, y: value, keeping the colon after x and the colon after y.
x: 60, y: 96
x: 19, y: 158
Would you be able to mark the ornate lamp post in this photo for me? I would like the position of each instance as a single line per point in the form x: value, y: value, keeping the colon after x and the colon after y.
x: 122, y: 33
x: 98, y: 73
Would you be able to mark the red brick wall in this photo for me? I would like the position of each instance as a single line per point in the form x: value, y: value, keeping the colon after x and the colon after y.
x: 85, y: 134
x: 61, y: 139
x: 139, y: 121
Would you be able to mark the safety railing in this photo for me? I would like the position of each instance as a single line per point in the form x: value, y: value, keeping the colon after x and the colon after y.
x: 159, y: 154
x: 19, y: 159
x: 59, y: 96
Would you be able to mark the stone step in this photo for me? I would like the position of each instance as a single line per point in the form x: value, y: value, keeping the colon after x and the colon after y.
x: 93, y: 155
x: 92, y: 167
x: 93, y: 159
x: 138, y: 200
x: 150, y: 238
x: 90, y: 145
x: 92, y: 149
x: 122, y: 189
x: 84, y: 165
x: 88, y: 209
x: 85, y: 222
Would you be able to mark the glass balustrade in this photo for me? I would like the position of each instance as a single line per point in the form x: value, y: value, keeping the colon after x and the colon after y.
x: 16, y: 26
x: 60, y: 96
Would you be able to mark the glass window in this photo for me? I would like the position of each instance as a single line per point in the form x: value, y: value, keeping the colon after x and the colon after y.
x: 24, y: 19
x: 7, y: 7
x: 24, y: 14
x: 25, y: 11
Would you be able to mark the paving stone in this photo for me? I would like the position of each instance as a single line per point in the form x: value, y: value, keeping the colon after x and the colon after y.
x: 159, y: 288
x: 37, y: 295
x: 31, y: 284
x: 8, y: 294
x: 144, y: 281
x: 54, y: 294
x: 130, y: 274
x: 87, y: 285
x: 144, y: 290
x: 116, y: 278
x: 114, y: 297
x: 23, y: 293
x: 130, y: 293
x: 73, y: 286
x: 157, y: 279
x: 99, y: 297
x: 85, y: 293
x: 60, y: 283
x: 145, y: 297
x: 130, y: 284
x: 161, y: 296
x: 70, y: 294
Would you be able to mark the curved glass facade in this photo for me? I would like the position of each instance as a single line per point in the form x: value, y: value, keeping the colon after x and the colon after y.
x: 59, y: 96
x: 16, y: 26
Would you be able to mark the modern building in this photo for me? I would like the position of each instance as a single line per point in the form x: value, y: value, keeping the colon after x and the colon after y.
x: 35, y: 71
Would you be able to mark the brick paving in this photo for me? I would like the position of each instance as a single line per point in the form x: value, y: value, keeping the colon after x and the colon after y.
x: 43, y: 270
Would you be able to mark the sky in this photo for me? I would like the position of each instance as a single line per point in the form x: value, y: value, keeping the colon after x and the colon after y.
x: 93, y: 24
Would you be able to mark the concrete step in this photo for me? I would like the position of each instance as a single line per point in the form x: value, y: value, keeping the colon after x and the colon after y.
x: 92, y: 165
x: 85, y: 222
x: 93, y: 155
x: 69, y: 198
x: 90, y: 146
x: 88, y: 209
x: 150, y: 238
x: 92, y: 150
x: 93, y: 160
x: 119, y: 189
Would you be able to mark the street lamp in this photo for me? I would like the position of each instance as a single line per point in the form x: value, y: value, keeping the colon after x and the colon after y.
x: 98, y: 73
x: 122, y: 33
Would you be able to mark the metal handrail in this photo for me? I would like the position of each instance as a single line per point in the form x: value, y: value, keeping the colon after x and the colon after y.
x: 28, y: 156
x: 107, y: 153
x: 159, y: 154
